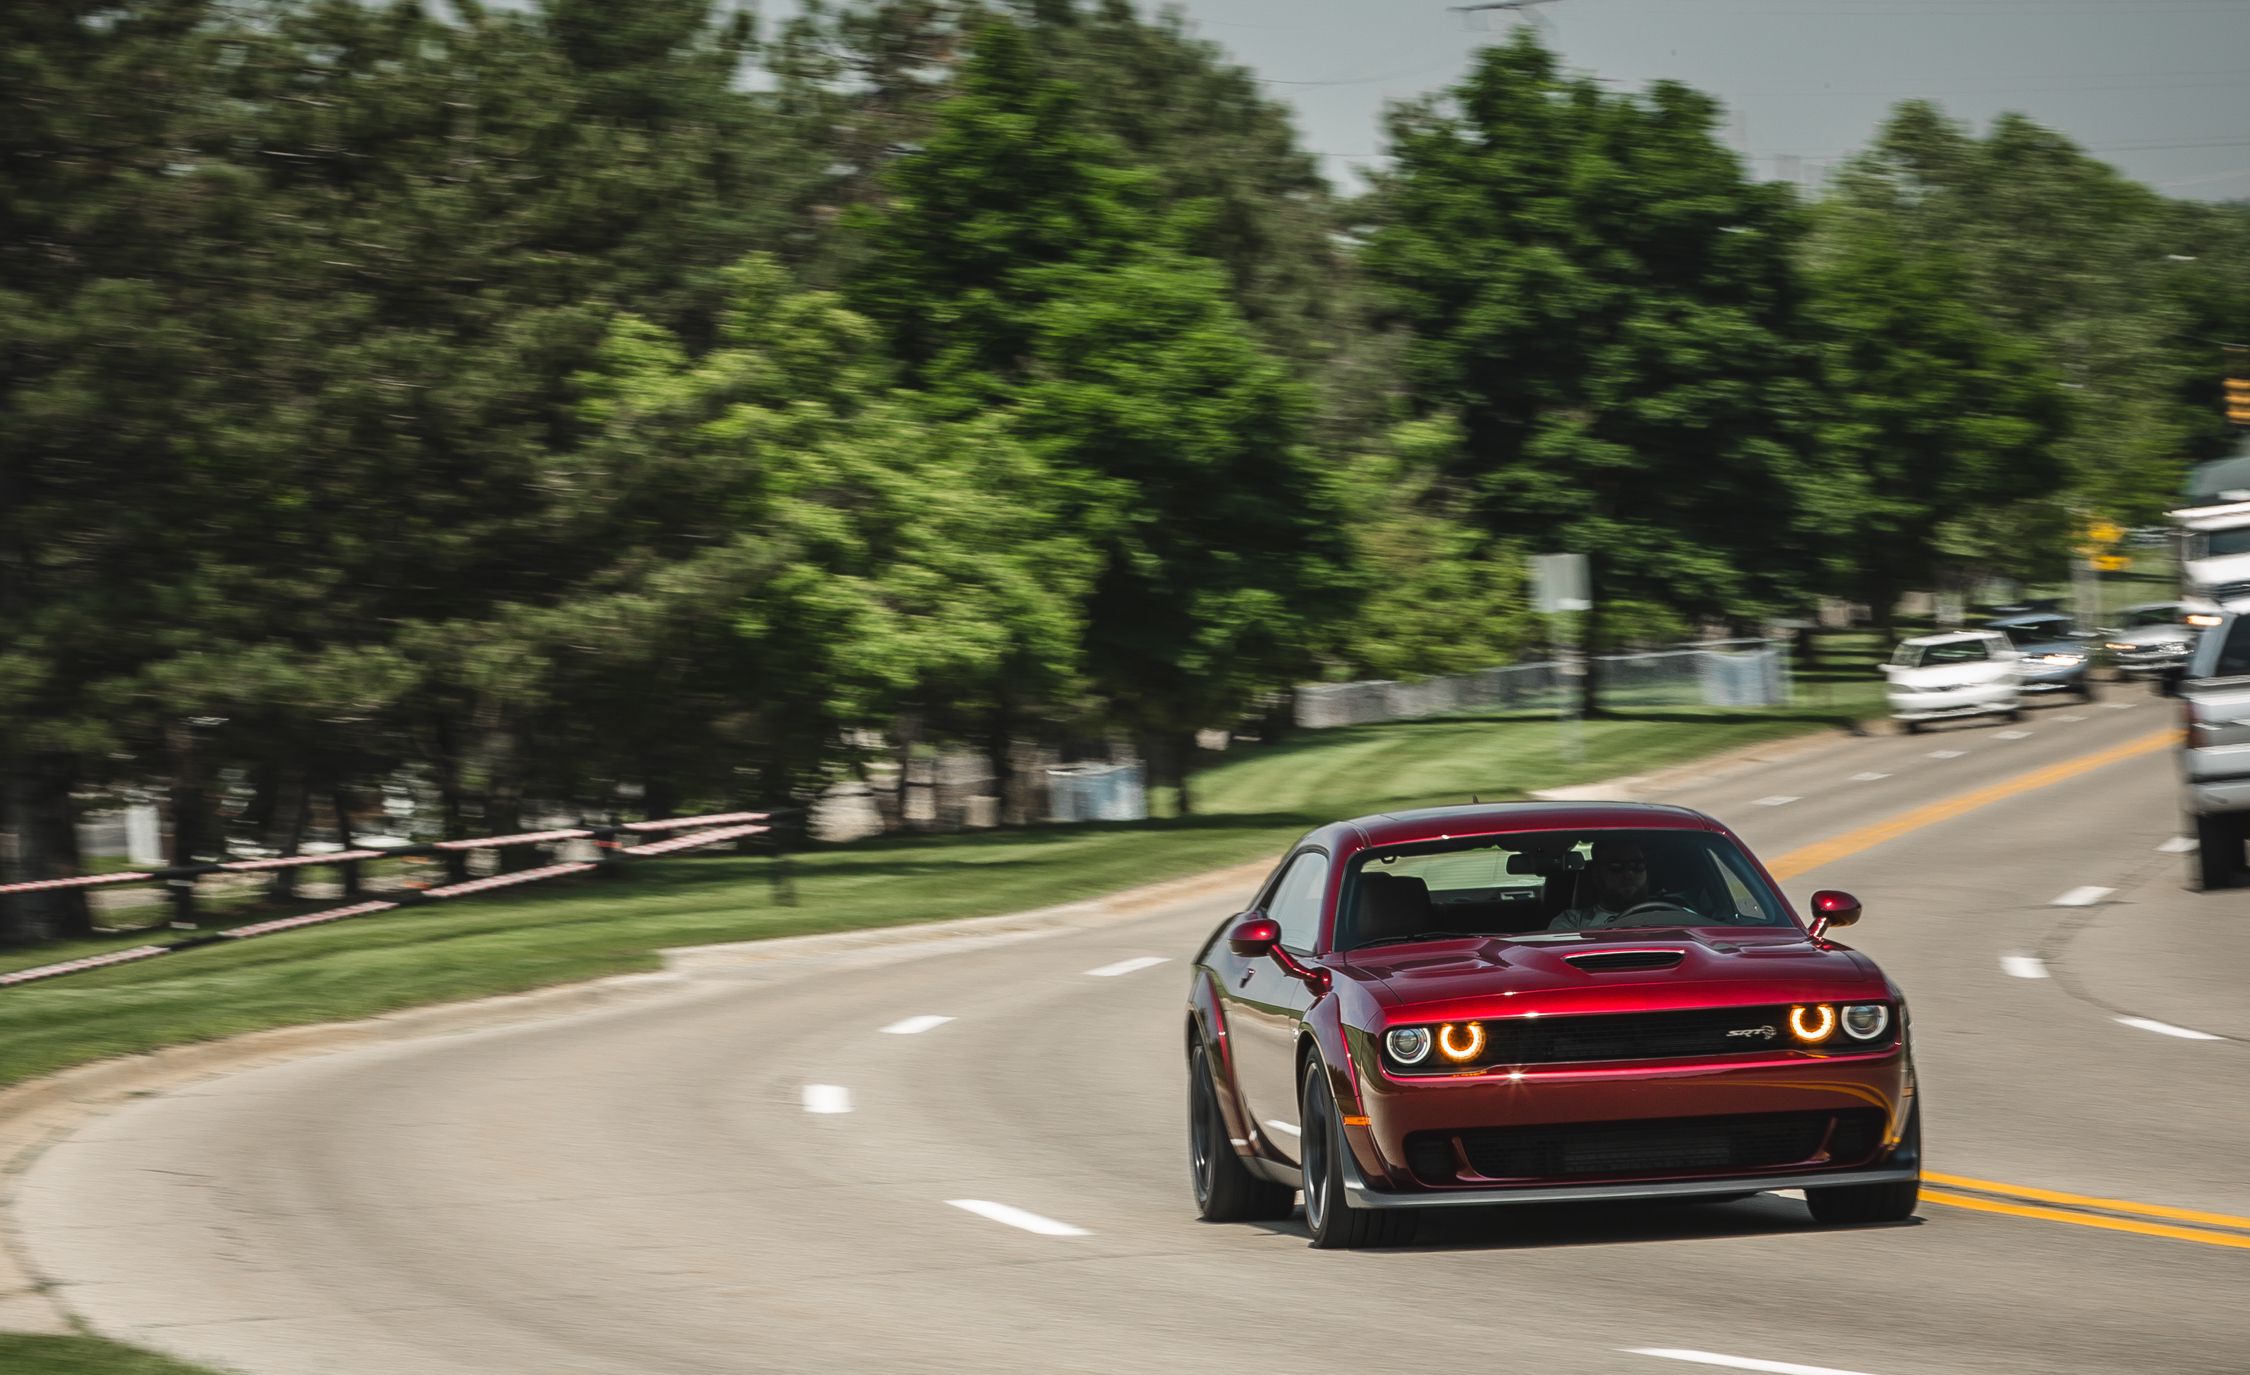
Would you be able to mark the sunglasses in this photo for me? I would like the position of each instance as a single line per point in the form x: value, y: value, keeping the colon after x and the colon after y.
x: 1624, y: 866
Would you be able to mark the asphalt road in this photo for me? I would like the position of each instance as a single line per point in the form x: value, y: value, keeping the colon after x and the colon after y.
x: 751, y: 1174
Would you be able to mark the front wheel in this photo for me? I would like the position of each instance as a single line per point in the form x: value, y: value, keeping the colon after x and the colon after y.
x: 2218, y: 851
x: 1911, y: 727
x: 2086, y: 689
x: 1225, y: 1190
x: 1329, y: 1215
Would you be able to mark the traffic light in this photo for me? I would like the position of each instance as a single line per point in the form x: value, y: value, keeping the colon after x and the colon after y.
x: 2238, y: 400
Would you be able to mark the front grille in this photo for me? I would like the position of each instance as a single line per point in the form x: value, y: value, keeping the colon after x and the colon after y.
x: 1670, y: 1146
x: 1645, y: 1036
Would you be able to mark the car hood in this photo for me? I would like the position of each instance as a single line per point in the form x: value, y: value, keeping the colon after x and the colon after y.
x: 1499, y: 976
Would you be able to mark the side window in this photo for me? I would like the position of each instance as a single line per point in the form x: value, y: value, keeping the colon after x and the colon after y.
x: 1296, y: 901
x: 2234, y: 656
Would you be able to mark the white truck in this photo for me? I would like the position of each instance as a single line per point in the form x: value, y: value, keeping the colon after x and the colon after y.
x: 2214, y: 693
x: 2211, y: 531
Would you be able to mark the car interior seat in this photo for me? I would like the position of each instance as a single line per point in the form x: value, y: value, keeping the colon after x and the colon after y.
x: 1391, y: 905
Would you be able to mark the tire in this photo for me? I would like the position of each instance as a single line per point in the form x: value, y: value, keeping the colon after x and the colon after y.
x: 2013, y: 713
x: 1225, y: 1190
x: 1329, y: 1215
x: 2218, y: 852
x: 2086, y: 690
x: 1850, y: 1204
x: 1911, y: 727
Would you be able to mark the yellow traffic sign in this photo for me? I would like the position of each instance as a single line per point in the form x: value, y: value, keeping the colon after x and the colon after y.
x: 2112, y: 563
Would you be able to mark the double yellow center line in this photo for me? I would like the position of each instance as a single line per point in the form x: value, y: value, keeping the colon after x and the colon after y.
x: 1806, y: 858
x: 2086, y: 1210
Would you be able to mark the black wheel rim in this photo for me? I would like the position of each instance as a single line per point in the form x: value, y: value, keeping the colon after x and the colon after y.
x: 1201, y: 1109
x: 1316, y: 1162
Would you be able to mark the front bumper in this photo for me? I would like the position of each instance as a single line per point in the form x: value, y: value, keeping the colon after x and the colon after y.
x: 1938, y: 706
x: 2142, y: 664
x: 1365, y: 1195
x: 2218, y: 795
x: 1395, y: 1109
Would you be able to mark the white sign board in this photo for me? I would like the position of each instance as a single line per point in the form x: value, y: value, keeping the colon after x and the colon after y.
x: 1559, y: 583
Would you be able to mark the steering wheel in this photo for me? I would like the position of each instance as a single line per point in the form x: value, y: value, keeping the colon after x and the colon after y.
x: 1659, y: 905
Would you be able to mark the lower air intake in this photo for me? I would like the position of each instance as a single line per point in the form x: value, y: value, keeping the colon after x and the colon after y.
x: 1671, y: 1146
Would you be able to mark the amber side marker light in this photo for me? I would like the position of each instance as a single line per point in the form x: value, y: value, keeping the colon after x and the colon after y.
x: 1813, y: 1024
x: 1461, y: 1042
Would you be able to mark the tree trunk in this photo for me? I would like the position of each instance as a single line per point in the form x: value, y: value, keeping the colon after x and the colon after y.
x: 446, y: 764
x: 46, y: 821
x: 194, y: 830
x: 340, y: 804
x: 1183, y: 762
x: 999, y: 753
x: 291, y: 803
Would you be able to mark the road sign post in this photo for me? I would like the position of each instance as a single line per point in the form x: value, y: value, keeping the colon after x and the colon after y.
x: 1561, y: 590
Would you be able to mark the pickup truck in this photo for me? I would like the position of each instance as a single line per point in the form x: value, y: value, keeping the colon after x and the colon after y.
x: 2214, y: 693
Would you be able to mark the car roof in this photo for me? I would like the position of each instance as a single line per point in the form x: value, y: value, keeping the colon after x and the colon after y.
x: 2027, y: 618
x: 1496, y: 818
x: 1946, y: 637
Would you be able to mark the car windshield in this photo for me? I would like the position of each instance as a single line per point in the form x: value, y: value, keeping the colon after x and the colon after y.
x: 1944, y: 652
x: 1541, y: 881
x: 2036, y: 632
x: 2152, y: 615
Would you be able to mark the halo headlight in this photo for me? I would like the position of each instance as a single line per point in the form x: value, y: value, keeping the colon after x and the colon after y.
x: 1460, y: 1042
x: 1866, y: 1021
x: 1813, y: 1024
x: 1409, y: 1045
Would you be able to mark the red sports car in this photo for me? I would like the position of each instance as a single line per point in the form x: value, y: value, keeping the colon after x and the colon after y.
x: 1540, y: 1002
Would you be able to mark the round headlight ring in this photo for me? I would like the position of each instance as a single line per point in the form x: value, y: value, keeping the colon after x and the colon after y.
x: 1461, y: 1042
x: 1866, y: 1021
x: 1813, y: 1024
x: 1409, y: 1045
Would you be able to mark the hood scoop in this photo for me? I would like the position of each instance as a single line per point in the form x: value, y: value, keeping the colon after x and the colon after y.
x: 1618, y: 961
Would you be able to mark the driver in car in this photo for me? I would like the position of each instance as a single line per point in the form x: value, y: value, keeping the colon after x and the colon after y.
x: 1619, y: 883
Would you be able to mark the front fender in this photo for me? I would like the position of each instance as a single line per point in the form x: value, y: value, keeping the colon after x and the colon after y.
x: 1324, y: 1038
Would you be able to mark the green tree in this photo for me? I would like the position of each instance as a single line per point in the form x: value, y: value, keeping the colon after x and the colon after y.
x: 1609, y: 309
x: 1938, y: 429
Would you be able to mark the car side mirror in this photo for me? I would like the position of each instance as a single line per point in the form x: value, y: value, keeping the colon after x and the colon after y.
x: 1832, y: 908
x: 1255, y: 936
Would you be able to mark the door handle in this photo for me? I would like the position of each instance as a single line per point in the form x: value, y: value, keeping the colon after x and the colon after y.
x: 1247, y: 975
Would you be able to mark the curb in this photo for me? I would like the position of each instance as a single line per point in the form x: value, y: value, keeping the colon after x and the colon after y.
x: 39, y: 1112
x: 1637, y: 786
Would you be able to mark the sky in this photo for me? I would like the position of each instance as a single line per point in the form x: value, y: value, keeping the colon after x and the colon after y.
x: 2159, y: 88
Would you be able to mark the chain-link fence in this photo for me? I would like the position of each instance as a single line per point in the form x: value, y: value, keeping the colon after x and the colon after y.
x: 1713, y: 673
x: 1097, y: 792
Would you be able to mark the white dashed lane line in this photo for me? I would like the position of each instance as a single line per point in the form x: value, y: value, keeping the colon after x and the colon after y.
x: 2024, y: 966
x: 2013, y: 735
x: 2167, y: 1029
x: 2082, y: 897
x: 915, y: 1026
x: 2177, y: 845
x: 2117, y: 706
x: 1777, y: 800
x: 1736, y: 1362
x: 2069, y: 718
x: 827, y: 1098
x: 1945, y: 754
x: 1017, y: 1217
x: 1138, y: 962
x: 1869, y: 777
x: 1283, y: 1127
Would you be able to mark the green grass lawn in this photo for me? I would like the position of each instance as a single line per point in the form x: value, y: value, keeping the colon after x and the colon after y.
x: 1249, y: 803
x: 21, y: 1354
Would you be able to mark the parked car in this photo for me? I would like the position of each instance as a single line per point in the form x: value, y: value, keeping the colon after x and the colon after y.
x: 1959, y: 673
x: 2153, y: 638
x: 1436, y: 1008
x: 2214, y: 692
x: 2054, y: 656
